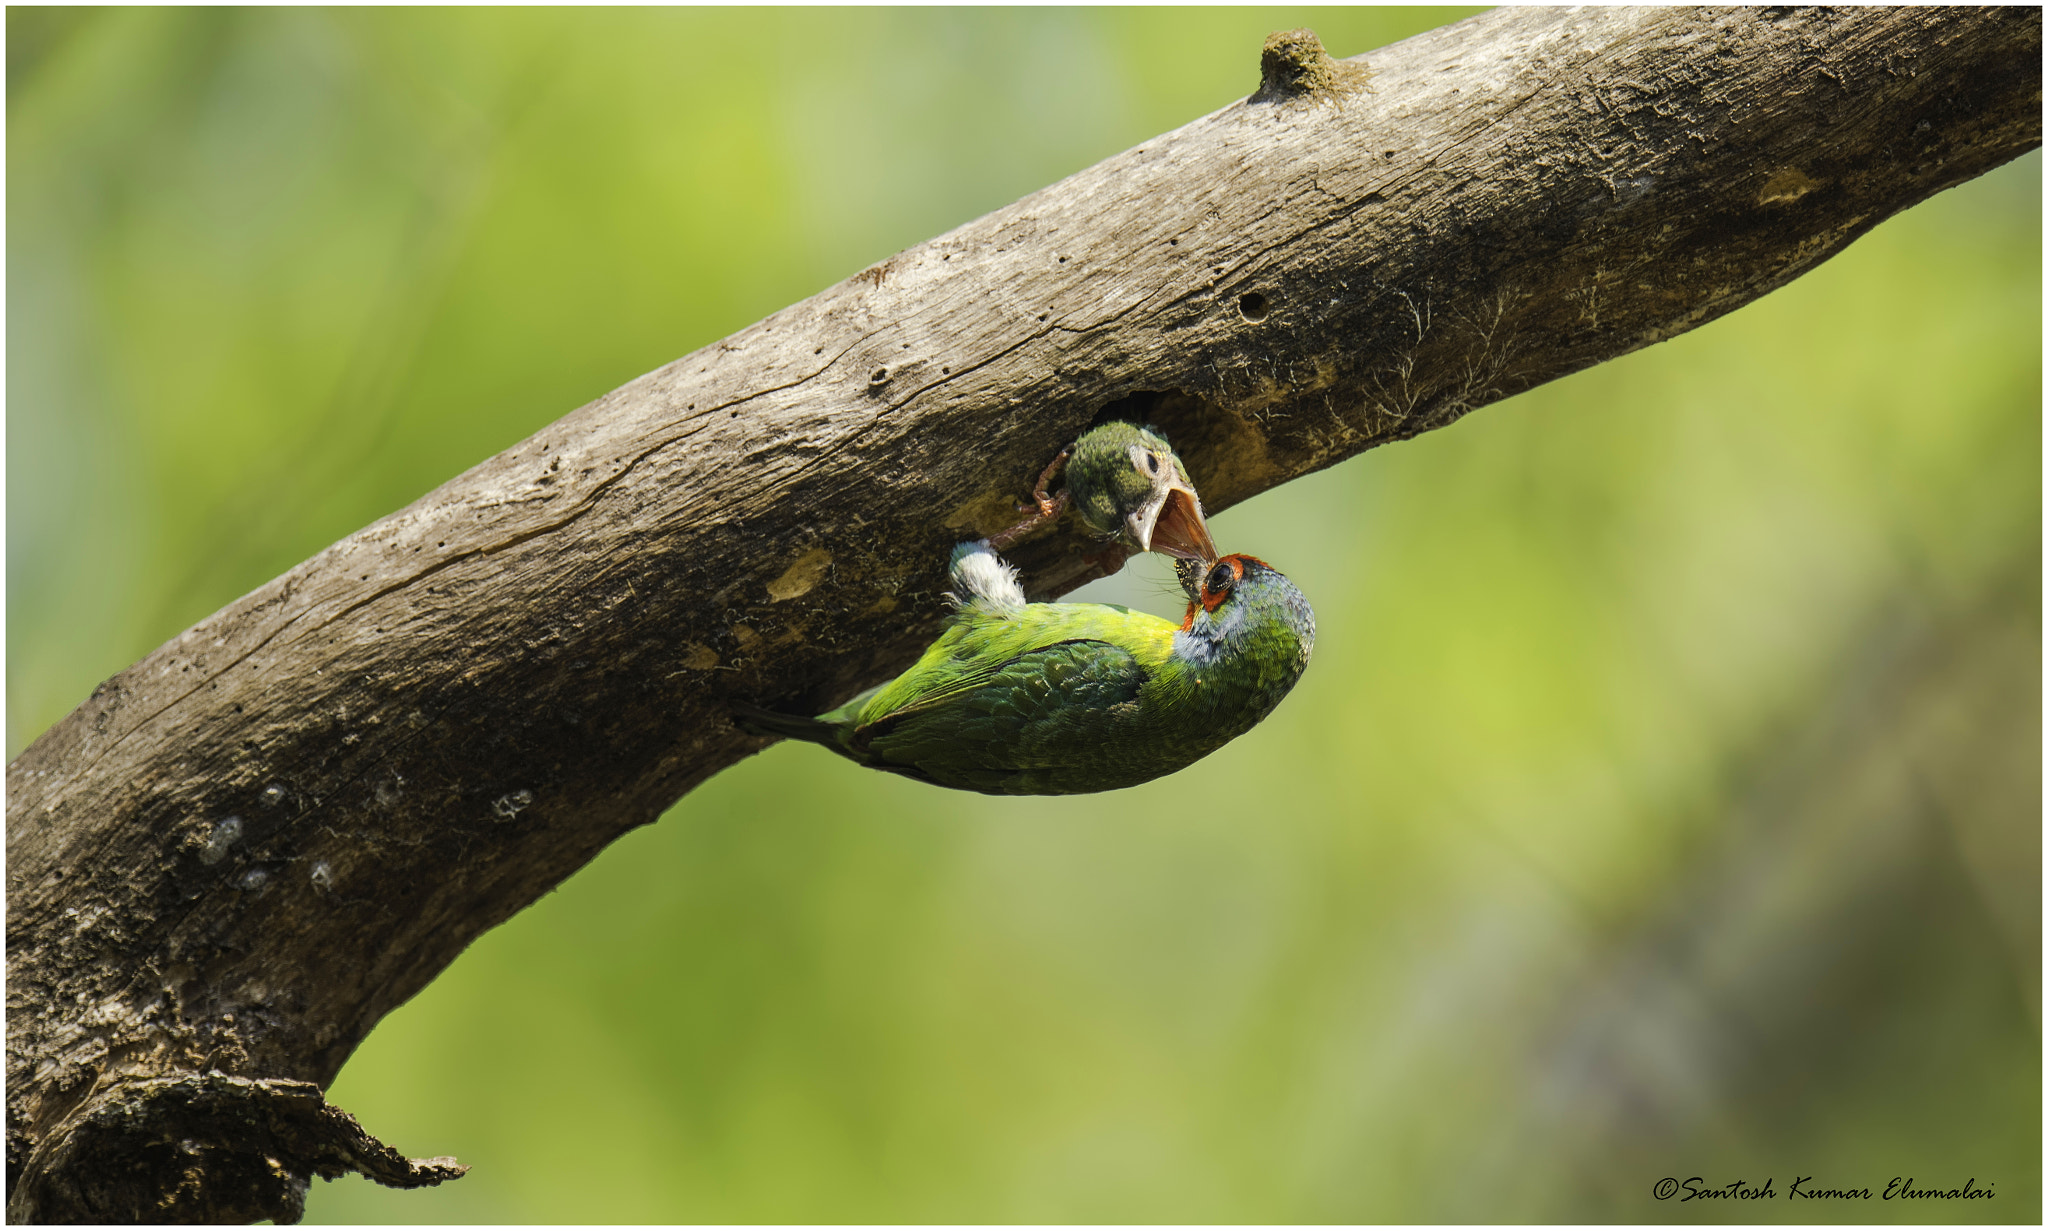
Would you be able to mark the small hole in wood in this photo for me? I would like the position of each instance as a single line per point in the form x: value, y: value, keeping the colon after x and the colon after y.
x: 877, y: 376
x: 1252, y: 306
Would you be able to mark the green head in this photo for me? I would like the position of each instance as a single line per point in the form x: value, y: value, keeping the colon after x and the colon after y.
x: 1127, y: 484
x: 1246, y: 613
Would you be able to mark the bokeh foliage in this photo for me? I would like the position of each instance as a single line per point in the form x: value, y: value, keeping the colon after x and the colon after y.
x: 1664, y: 798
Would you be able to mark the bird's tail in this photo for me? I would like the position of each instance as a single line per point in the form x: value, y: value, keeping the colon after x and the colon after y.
x: 794, y: 726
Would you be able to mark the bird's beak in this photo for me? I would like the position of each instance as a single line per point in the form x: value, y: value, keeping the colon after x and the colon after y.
x: 1173, y: 525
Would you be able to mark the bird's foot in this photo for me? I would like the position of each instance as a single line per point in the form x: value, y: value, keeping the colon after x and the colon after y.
x: 1043, y: 508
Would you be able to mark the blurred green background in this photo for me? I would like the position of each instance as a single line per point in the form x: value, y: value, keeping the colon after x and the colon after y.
x: 1664, y: 799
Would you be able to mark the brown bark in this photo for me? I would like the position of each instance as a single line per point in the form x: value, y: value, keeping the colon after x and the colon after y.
x: 242, y: 852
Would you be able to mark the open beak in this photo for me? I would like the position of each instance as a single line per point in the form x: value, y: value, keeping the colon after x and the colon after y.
x: 1174, y: 526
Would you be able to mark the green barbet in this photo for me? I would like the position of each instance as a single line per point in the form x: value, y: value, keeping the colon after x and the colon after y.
x: 1019, y: 698
x: 1127, y: 484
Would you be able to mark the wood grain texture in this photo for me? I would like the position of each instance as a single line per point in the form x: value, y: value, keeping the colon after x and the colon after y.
x: 241, y: 853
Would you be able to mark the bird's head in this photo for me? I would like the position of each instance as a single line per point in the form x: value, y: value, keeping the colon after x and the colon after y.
x: 1241, y: 596
x: 1127, y: 483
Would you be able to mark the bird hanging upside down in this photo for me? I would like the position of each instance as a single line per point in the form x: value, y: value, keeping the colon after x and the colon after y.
x: 1020, y: 698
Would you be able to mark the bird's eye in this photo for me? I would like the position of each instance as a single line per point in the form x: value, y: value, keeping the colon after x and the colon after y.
x: 1220, y: 579
x: 1151, y: 463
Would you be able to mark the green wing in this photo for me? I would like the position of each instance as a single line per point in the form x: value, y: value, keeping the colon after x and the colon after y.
x: 1058, y: 707
x: 976, y: 648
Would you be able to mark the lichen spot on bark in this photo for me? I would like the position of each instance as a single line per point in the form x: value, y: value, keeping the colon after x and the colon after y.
x: 220, y: 839
x: 801, y: 577
x: 1293, y: 67
x: 985, y: 514
x: 1786, y: 187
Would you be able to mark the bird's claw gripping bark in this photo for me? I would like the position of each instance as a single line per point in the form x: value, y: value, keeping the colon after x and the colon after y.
x: 1043, y: 508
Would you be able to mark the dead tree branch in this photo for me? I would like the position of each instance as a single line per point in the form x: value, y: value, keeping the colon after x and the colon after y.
x: 237, y: 856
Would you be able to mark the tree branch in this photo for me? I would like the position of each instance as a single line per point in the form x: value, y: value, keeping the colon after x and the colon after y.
x: 245, y: 850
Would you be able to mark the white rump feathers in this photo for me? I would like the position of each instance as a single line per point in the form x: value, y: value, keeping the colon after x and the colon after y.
x: 982, y: 581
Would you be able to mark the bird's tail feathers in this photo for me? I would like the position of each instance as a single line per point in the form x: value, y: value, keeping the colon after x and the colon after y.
x: 793, y: 726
